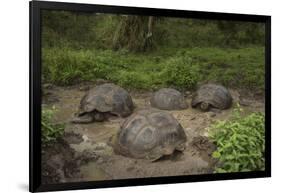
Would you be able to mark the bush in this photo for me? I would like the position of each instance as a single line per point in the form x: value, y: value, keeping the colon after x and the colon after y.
x: 180, y: 72
x: 50, y: 131
x: 240, y: 143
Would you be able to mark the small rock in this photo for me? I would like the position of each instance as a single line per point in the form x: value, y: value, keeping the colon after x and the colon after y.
x: 85, y: 138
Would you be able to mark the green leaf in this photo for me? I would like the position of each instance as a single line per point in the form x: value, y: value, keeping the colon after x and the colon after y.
x: 216, y: 154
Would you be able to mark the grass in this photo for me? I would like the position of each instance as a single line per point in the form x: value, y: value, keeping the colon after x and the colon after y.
x: 182, y: 68
x: 79, y: 47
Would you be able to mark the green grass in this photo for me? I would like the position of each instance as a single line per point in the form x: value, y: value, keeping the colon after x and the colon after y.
x: 242, y: 67
x: 79, y: 47
x: 181, y: 68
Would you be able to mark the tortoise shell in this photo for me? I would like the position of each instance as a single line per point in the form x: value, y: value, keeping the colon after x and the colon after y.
x: 213, y: 95
x: 168, y: 99
x: 150, y: 134
x: 107, y: 98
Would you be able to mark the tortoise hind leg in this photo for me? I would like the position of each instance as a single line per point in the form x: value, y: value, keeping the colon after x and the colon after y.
x: 155, y: 154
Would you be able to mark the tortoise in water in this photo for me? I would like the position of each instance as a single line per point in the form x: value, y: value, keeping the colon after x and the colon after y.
x: 150, y: 134
x: 102, y: 101
x: 168, y: 99
x: 211, y: 96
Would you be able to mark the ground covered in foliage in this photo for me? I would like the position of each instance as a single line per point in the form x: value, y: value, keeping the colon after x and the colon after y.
x: 181, y: 68
x: 180, y: 52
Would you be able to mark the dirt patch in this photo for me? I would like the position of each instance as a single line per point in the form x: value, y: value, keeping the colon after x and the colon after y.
x: 90, y: 149
x: 59, y: 163
x: 204, y: 147
x: 72, y: 138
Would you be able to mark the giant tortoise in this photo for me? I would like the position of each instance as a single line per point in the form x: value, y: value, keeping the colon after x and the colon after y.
x: 150, y: 134
x: 168, y: 99
x: 211, y: 96
x: 102, y: 101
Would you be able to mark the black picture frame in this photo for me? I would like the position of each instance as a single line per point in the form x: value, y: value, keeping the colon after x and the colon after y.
x: 35, y: 95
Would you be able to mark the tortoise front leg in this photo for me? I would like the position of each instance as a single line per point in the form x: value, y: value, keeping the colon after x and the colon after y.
x: 85, y: 118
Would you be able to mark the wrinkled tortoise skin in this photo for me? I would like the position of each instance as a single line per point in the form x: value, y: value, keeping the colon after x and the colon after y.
x: 150, y: 134
x: 168, y: 99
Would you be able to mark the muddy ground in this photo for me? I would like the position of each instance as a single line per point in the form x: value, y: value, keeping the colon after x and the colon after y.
x: 85, y: 154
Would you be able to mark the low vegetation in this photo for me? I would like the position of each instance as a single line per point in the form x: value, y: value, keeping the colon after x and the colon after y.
x: 50, y: 131
x: 150, y: 52
x: 183, y: 68
x: 240, y: 143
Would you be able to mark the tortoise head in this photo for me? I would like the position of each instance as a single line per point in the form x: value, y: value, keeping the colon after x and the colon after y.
x: 204, y: 106
x: 98, y: 116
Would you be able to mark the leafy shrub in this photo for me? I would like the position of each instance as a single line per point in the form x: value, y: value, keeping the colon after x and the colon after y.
x: 179, y: 71
x: 240, y: 143
x: 50, y: 131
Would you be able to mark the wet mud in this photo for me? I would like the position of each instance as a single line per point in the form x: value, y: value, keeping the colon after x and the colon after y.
x: 87, y: 153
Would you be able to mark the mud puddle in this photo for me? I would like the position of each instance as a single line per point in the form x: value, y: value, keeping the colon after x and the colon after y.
x: 95, y: 157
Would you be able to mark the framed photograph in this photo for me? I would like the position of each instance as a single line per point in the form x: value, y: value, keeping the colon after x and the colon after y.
x: 126, y: 96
